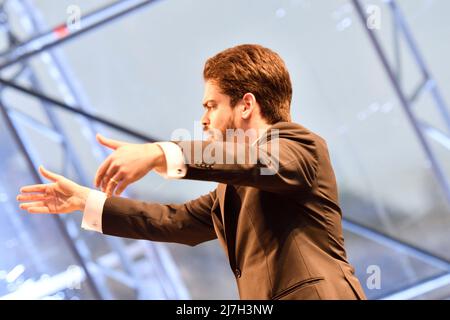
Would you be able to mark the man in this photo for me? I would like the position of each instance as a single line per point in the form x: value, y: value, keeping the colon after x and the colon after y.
x: 275, y: 210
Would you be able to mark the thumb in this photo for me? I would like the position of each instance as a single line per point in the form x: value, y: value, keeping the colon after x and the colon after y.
x: 110, y: 143
x: 48, y: 174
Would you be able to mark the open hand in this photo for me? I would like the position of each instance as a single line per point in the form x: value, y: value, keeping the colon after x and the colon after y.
x: 61, y: 196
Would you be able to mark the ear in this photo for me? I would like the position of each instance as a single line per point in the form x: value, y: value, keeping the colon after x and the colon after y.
x: 249, y: 104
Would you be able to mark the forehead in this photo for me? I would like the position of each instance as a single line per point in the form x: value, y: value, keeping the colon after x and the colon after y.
x: 213, y: 92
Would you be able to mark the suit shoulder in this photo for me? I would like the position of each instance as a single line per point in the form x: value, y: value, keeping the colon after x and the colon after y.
x: 296, y: 131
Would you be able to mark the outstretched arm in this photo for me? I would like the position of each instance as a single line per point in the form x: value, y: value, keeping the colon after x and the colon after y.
x: 279, y: 165
x: 189, y: 223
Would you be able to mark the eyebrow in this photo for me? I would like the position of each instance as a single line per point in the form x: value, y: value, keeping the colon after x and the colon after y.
x: 205, y: 104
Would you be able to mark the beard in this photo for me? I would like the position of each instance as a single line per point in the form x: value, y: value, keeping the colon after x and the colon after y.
x: 219, y: 134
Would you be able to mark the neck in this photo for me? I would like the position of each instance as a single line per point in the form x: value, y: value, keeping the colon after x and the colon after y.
x: 260, y: 127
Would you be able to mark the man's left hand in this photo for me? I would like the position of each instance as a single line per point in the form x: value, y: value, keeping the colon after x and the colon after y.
x: 128, y: 163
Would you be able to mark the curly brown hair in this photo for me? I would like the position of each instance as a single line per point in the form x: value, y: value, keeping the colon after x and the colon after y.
x: 255, y: 69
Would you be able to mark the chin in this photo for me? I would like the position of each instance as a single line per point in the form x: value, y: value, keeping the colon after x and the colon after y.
x: 210, y: 136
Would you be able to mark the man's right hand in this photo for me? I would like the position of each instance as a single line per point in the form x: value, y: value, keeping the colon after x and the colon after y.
x: 61, y: 196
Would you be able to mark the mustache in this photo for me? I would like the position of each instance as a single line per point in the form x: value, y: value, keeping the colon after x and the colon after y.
x: 212, y: 133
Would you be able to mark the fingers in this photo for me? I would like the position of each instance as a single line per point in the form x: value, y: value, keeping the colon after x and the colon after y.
x: 34, y: 188
x: 110, y: 143
x: 39, y: 210
x: 113, y: 183
x: 28, y: 205
x: 107, y: 178
x: 101, y: 171
x: 35, y: 207
x: 49, y: 175
x: 33, y: 197
x: 121, y: 187
x: 110, y: 173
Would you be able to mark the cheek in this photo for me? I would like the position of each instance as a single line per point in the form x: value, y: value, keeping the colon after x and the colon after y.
x: 222, y: 118
x: 218, y: 119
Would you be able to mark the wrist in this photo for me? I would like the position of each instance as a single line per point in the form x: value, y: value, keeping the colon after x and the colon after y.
x: 159, y: 157
x: 82, y: 198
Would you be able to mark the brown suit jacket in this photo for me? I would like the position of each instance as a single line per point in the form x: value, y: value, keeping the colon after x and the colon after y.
x: 282, y: 233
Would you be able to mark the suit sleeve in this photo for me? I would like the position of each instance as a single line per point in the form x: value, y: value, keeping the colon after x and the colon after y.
x: 280, y: 166
x: 189, y: 223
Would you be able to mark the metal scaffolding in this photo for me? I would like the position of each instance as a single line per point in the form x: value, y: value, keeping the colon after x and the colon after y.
x: 144, y: 267
x: 425, y: 132
x: 122, y: 255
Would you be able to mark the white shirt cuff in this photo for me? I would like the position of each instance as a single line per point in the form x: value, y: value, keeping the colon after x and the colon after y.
x: 93, y: 211
x: 176, y: 168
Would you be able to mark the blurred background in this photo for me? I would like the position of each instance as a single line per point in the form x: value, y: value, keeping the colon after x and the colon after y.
x: 371, y: 77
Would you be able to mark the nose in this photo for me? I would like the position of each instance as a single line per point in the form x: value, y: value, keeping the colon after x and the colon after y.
x: 205, y: 119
